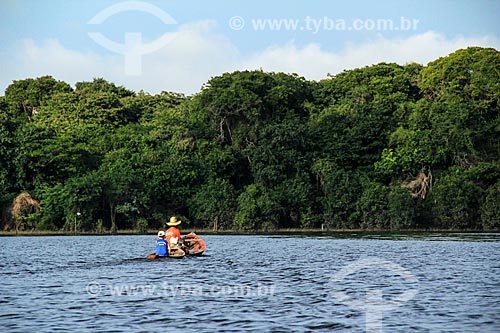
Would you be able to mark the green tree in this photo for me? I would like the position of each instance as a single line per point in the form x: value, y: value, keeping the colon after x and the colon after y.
x: 214, y: 204
x: 99, y: 85
x: 240, y: 103
x: 490, y: 210
x: 384, y: 146
x: 372, y: 206
x: 360, y: 109
x: 401, y: 208
x: 341, y: 190
x: 256, y: 209
x: 455, y: 201
x: 28, y: 94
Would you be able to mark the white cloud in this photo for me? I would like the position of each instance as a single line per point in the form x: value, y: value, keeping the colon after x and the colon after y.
x: 314, y: 63
x: 184, y: 64
x: 188, y: 61
x: 27, y: 59
x: 198, y: 53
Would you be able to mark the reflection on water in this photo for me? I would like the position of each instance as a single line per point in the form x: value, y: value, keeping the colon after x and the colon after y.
x: 250, y: 283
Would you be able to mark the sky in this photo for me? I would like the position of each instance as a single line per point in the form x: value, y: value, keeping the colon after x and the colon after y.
x: 178, y: 45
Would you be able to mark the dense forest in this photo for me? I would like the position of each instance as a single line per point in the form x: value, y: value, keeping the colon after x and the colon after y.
x: 381, y: 147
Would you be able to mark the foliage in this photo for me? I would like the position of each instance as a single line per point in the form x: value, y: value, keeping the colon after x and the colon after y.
x: 372, y: 206
x: 401, y: 208
x: 380, y: 147
x: 454, y: 200
x: 341, y: 191
x: 490, y: 210
x: 256, y: 209
x: 214, y: 204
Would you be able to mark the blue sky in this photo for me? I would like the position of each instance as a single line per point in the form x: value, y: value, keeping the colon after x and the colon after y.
x: 51, y: 37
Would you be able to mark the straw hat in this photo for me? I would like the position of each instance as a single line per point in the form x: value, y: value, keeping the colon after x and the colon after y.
x: 173, y: 222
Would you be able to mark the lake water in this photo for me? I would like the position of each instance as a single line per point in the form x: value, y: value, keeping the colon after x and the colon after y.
x: 342, y: 283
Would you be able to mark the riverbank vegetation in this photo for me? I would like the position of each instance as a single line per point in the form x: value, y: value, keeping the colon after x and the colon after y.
x: 381, y: 147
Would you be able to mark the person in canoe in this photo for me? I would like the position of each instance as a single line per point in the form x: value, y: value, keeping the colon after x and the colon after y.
x: 162, y: 247
x: 173, y: 234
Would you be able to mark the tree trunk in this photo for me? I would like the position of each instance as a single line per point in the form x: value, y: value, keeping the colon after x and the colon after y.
x: 216, y: 223
x: 113, y: 218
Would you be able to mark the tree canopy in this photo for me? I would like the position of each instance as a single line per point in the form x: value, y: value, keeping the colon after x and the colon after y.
x: 380, y: 147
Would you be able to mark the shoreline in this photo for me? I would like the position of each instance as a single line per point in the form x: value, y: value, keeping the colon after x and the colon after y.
x: 152, y: 232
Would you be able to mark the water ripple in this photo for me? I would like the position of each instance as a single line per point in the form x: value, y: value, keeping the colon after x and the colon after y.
x: 248, y: 283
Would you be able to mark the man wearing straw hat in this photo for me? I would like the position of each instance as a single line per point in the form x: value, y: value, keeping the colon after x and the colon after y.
x: 173, y: 235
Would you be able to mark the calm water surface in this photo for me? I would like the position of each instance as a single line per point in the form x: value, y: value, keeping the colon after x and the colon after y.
x: 251, y: 283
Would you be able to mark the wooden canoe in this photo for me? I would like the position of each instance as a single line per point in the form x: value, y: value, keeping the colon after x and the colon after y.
x: 194, y: 245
